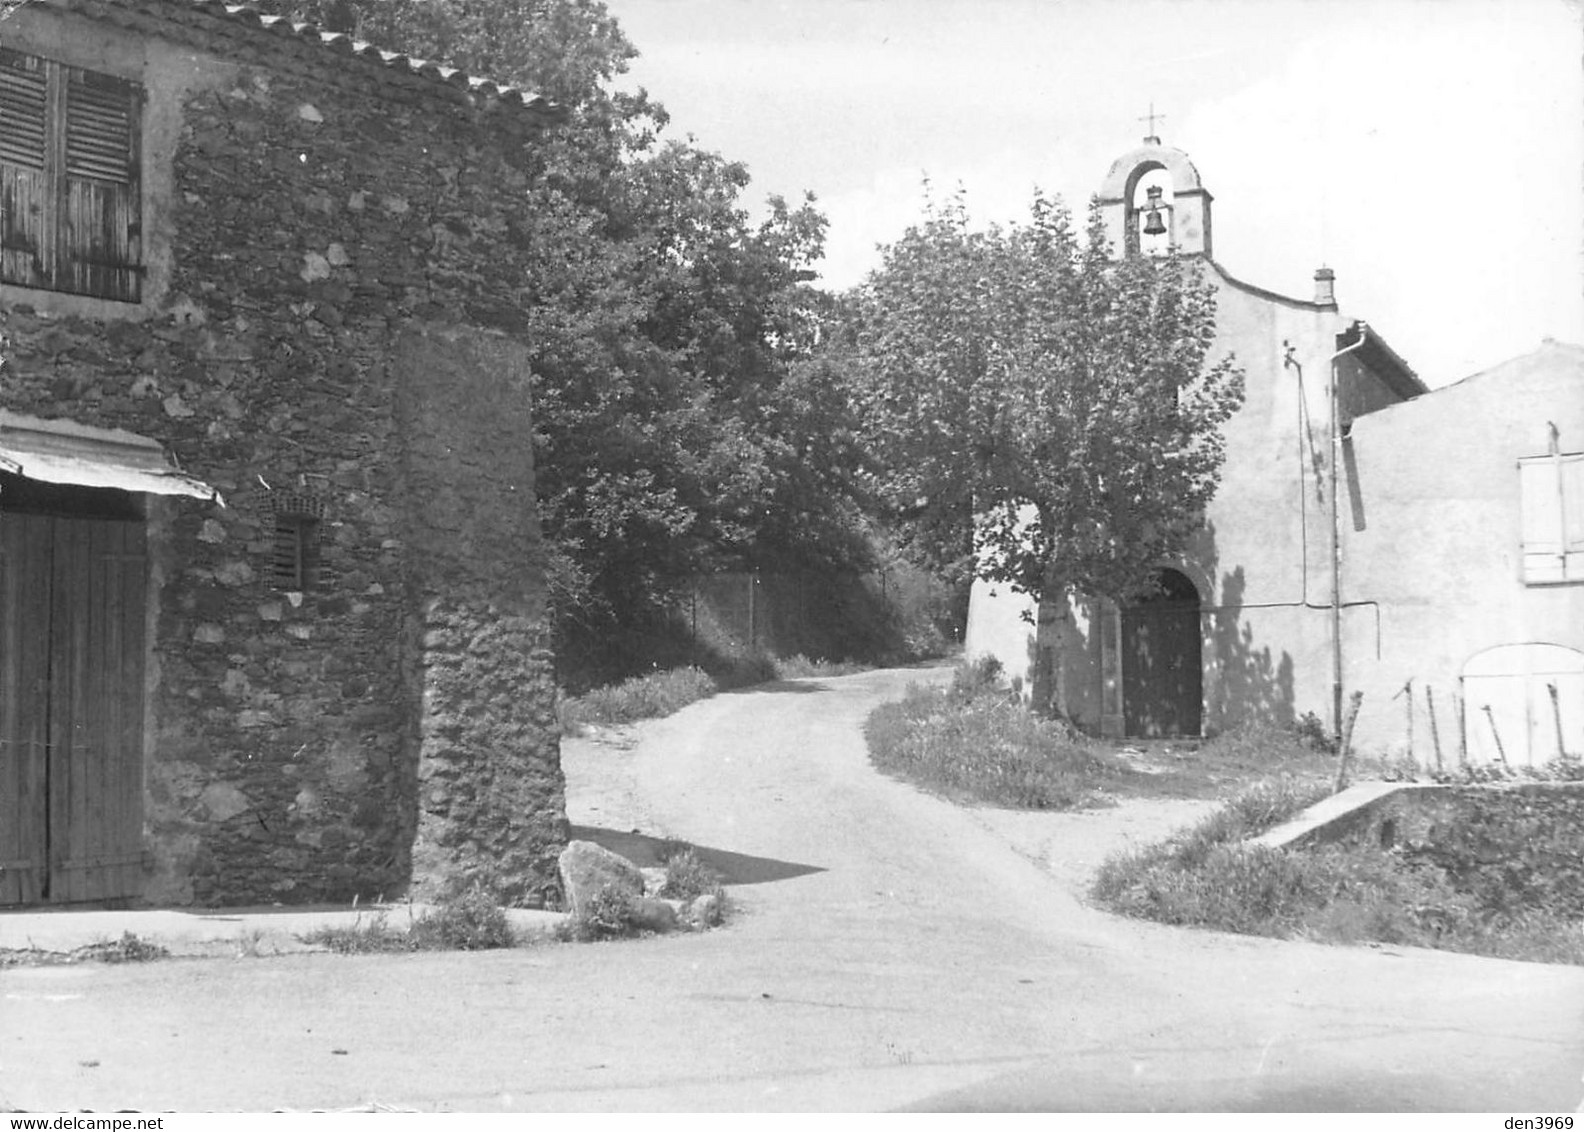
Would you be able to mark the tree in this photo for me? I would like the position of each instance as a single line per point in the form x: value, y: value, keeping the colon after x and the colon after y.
x: 1048, y: 416
x: 682, y: 424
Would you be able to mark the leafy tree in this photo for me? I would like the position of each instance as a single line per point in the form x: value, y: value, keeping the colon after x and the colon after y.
x: 1028, y: 392
x: 683, y: 423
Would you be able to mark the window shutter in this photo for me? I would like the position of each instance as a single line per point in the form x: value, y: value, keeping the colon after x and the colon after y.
x: 103, y: 236
x: 1542, y: 520
x: 298, y: 561
x: 1572, y: 473
x: 26, y: 202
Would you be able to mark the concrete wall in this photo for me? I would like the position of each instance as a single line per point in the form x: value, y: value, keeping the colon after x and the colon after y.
x: 330, y: 309
x: 1432, y: 534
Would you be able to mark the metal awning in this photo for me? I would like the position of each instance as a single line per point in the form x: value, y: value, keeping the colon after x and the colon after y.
x: 57, y: 451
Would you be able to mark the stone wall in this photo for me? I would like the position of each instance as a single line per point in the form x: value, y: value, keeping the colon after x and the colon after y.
x: 315, y: 228
x: 490, y: 806
x: 1520, y: 844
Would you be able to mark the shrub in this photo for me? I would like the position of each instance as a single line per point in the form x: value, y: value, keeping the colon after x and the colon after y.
x: 608, y: 914
x: 687, y: 877
x: 1311, y: 732
x: 471, y: 922
x: 976, y: 677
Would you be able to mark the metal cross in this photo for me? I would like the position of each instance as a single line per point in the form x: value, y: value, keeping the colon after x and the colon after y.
x: 1151, y: 116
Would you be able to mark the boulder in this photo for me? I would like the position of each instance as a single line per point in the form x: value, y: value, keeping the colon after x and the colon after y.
x: 704, y: 911
x: 586, y: 868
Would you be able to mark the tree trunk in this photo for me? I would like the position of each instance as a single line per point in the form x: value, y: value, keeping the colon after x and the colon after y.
x: 1048, y: 692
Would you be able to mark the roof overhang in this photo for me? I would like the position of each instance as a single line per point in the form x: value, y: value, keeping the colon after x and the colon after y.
x: 56, y: 451
x: 1381, y: 360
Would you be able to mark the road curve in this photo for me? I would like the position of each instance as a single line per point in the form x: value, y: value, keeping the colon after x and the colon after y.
x: 888, y: 950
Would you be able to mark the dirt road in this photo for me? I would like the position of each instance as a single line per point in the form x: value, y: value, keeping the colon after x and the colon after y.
x: 888, y: 950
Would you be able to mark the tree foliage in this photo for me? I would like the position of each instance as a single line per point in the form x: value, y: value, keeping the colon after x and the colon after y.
x: 1024, y: 388
x: 684, y: 423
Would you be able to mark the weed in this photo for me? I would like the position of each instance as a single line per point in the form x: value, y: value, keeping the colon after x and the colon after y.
x: 361, y: 937
x: 128, y: 949
x: 608, y: 914
x: 470, y: 922
x: 1311, y: 732
x: 643, y: 697
x: 686, y: 877
x: 982, y: 674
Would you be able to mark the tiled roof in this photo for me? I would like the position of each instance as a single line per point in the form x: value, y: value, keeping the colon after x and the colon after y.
x: 216, y: 14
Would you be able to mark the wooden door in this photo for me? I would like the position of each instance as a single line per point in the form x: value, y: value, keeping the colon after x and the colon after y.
x: 71, y: 708
x: 1162, y: 681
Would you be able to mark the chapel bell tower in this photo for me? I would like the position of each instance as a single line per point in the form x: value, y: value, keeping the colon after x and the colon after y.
x: 1152, y: 200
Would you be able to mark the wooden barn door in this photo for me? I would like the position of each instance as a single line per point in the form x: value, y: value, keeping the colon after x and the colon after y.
x: 71, y: 708
x: 1162, y: 680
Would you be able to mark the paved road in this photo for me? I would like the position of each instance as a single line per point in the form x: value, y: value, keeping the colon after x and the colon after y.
x: 889, y: 950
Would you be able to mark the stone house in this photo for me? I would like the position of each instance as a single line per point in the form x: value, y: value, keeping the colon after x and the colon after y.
x: 1368, y: 535
x: 272, y: 619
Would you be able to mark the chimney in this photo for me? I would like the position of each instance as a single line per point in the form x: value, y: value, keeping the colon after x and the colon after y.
x: 1325, y: 287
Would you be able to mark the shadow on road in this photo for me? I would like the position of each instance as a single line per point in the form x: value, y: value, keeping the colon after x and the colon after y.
x: 733, y: 868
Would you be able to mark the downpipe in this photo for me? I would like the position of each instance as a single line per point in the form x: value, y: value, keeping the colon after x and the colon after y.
x: 1336, y: 528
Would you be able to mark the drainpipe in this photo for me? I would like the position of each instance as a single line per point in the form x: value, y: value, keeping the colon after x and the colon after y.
x: 1336, y: 529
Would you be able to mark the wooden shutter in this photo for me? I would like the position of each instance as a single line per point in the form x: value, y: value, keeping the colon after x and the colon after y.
x: 1570, y: 470
x: 70, y: 199
x: 27, y: 208
x: 1543, y: 554
x: 102, y: 241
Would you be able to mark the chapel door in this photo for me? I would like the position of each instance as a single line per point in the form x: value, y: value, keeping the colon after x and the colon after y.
x: 1162, y: 684
x: 71, y: 697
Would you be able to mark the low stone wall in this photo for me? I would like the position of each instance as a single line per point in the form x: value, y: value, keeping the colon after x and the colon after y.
x: 1521, y: 843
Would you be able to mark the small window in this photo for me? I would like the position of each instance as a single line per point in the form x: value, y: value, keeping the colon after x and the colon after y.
x: 70, y: 208
x: 1553, y: 518
x: 297, y: 565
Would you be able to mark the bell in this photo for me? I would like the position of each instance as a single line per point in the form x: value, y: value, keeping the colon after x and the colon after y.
x: 1154, y: 223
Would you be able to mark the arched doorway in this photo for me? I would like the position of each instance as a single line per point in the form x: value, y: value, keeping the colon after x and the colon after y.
x: 1162, y: 682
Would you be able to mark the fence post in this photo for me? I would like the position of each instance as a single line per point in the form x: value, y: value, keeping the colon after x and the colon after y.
x: 1346, y: 750
x: 1501, y: 752
x: 1435, y: 730
x: 753, y: 586
x: 1556, y: 717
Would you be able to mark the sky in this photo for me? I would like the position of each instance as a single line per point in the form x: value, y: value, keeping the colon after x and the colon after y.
x: 1431, y: 152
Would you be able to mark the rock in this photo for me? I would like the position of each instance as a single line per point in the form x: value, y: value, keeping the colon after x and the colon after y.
x: 586, y: 868
x: 704, y: 911
x: 651, y: 914
x: 221, y: 801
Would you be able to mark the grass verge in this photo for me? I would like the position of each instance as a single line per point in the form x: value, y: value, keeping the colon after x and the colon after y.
x: 660, y: 694
x: 976, y: 742
x: 973, y: 742
x: 1207, y: 877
